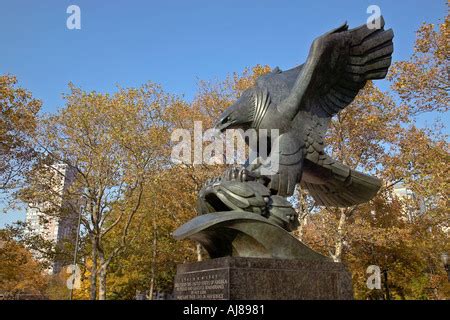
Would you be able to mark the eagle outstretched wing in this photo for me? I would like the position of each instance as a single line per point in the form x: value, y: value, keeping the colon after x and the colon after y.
x: 338, y: 65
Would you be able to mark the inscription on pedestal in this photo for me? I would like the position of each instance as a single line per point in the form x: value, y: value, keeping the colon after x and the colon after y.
x: 206, y: 285
x: 238, y: 278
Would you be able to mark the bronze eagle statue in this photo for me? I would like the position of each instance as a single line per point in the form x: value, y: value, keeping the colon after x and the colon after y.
x: 245, y: 211
x: 300, y: 103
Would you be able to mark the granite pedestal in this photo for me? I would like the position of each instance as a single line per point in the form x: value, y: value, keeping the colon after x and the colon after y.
x: 238, y: 278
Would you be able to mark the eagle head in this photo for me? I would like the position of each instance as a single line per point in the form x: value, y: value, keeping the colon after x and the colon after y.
x: 240, y: 115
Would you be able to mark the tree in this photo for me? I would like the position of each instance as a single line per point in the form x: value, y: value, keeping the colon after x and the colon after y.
x: 112, y: 142
x: 422, y: 82
x: 149, y: 264
x: 402, y: 235
x: 20, y: 273
x: 18, y: 112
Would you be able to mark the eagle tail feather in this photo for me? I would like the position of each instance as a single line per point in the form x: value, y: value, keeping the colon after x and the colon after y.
x: 344, y: 187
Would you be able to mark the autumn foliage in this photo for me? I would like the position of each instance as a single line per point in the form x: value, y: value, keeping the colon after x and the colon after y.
x: 134, y: 197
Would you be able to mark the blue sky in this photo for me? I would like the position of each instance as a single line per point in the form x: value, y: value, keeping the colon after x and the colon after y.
x: 176, y: 43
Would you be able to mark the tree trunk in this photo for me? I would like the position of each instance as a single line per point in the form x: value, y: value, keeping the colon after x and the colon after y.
x: 386, y: 285
x: 302, y: 220
x: 102, y: 274
x: 102, y: 283
x: 199, y: 252
x: 153, y: 264
x: 152, y: 287
x: 93, y: 289
x: 303, y: 213
x: 337, y: 256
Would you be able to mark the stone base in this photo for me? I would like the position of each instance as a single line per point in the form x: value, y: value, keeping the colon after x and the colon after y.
x: 238, y: 278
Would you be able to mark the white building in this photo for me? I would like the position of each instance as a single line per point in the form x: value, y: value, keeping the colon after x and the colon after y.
x: 413, y: 205
x: 44, y: 217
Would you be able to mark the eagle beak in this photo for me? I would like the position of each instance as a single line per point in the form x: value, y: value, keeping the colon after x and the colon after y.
x: 220, y: 127
x: 222, y: 124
